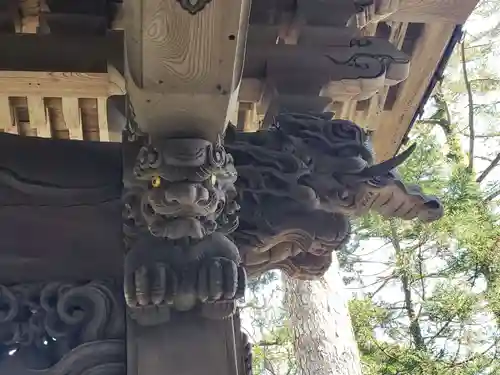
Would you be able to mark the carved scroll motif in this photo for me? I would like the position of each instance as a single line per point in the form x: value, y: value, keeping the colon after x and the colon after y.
x: 58, y: 328
x: 193, y: 6
x: 299, y: 182
x: 180, y: 203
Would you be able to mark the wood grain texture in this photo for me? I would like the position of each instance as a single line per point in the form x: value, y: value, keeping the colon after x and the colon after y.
x: 103, y: 119
x: 188, y: 54
x: 394, y: 124
x: 90, y: 119
x: 56, y: 117
x: 428, y: 11
x: 57, y: 84
x: 72, y: 117
x: 183, y: 70
x: 38, y: 116
x: 7, y: 123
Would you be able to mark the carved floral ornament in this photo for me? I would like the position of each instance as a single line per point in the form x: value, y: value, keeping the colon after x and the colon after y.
x: 69, y: 329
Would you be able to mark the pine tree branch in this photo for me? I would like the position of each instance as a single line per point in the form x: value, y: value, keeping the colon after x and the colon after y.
x: 485, y: 79
x: 489, y: 160
x: 381, y: 287
x: 470, y: 99
x: 415, y: 329
x: 475, y: 356
x: 438, y: 334
x: 492, y: 196
x: 490, y: 167
x: 421, y: 272
x: 269, y: 343
x: 384, y: 352
x: 492, y: 135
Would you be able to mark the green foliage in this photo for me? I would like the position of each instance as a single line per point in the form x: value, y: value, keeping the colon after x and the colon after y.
x: 434, y: 306
x: 436, y: 270
x: 451, y: 304
x: 365, y: 316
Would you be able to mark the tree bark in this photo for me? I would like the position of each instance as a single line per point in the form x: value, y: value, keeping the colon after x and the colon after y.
x: 323, y: 337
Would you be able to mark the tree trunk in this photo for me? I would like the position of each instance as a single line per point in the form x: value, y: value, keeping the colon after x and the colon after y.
x: 323, y: 337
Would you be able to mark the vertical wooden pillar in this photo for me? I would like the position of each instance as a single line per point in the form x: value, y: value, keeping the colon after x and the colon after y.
x: 183, y: 68
x: 187, y: 345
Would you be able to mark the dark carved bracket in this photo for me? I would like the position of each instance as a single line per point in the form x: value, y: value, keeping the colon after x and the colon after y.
x: 179, y: 207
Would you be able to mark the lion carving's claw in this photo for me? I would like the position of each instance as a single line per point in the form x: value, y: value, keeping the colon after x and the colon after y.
x: 149, y: 293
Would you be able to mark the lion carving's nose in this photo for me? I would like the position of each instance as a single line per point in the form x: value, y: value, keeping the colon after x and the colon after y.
x: 186, y: 194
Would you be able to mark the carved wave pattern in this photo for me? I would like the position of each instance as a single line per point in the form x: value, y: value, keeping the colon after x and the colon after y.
x: 43, y: 326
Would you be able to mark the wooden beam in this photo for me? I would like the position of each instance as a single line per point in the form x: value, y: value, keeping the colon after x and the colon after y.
x: 58, y: 84
x: 151, y: 350
x: 59, y: 53
x: 103, y: 119
x: 184, y: 69
x: 376, y: 106
x: 426, y: 56
x: 118, y: 18
x: 90, y: 119
x: 72, y: 117
x: 295, y: 32
x: 21, y: 116
x: 251, y: 90
x: 7, y: 123
x: 38, y: 116
x: 58, y: 124
x: 29, y: 16
x: 429, y: 11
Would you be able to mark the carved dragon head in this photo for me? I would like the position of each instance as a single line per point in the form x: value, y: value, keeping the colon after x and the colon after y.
x: 298, y: 183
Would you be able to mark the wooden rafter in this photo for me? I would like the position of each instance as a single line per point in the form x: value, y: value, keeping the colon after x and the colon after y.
x: 82, y: 96
x: 58, y: 84
x: 430, y: 11
x: 426, y: 56
x: 58, y: 104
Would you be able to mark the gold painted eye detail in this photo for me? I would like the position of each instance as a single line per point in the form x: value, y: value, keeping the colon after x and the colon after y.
x: 156, y: 182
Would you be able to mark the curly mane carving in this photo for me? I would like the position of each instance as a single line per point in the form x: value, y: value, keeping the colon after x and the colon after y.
x: 298, y: 183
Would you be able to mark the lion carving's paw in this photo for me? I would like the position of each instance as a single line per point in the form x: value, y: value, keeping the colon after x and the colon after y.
x: 220, y: 282
x: 152, y: 291
x: 149, y: 293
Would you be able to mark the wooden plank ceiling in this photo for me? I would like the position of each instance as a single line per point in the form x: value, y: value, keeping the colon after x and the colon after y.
x: 55, y: 74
